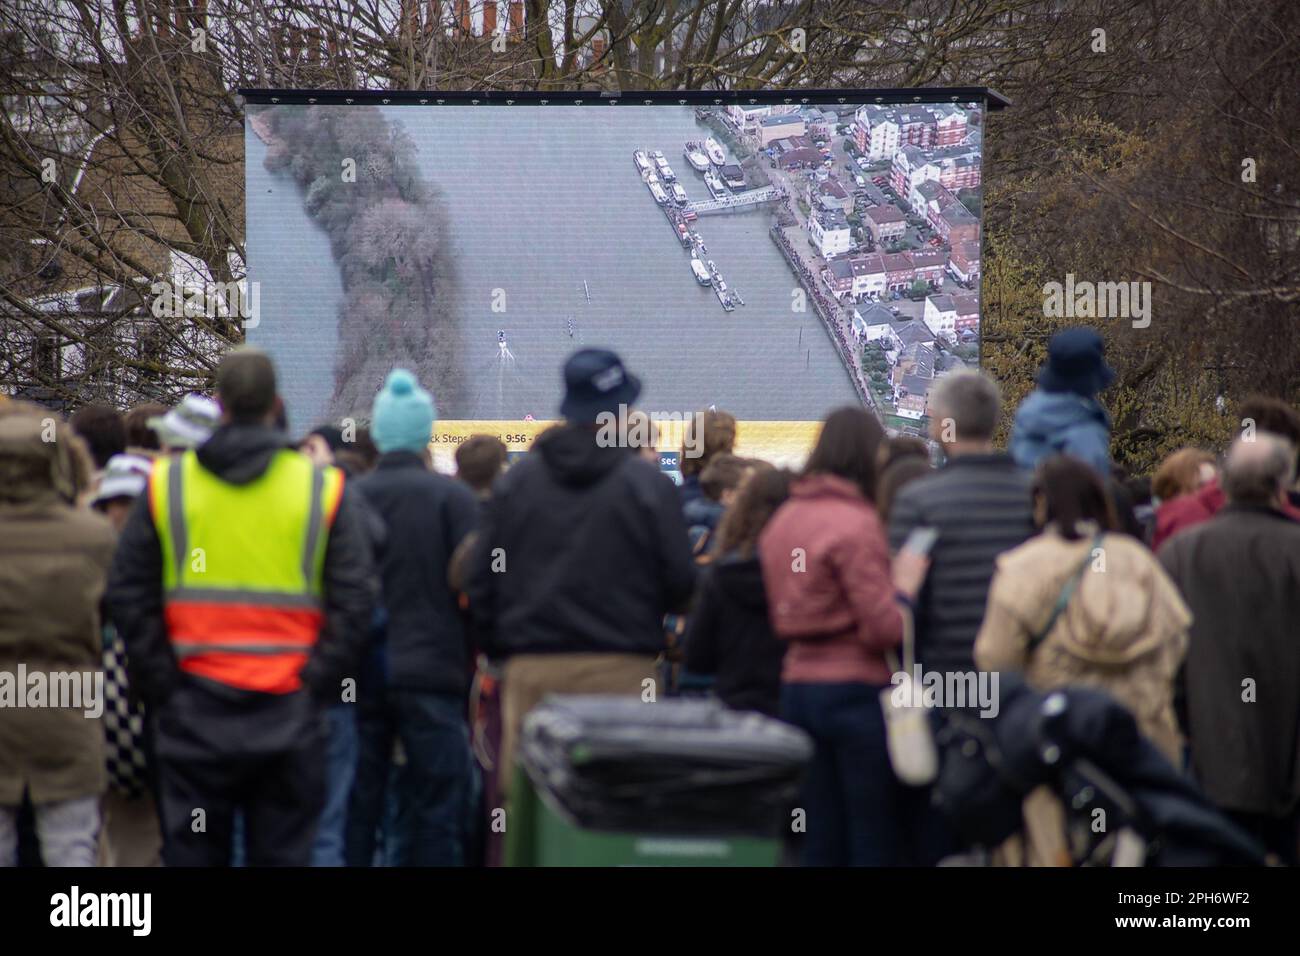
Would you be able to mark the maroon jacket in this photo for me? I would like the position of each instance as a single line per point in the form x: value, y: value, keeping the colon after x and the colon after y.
x: 829, y: 591
x: 1189, y: 510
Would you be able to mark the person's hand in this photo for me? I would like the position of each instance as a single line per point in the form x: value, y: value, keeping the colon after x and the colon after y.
x: 909, y: 570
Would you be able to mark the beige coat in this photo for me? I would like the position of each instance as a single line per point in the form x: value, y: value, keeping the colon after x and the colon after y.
x: 1123, y: 632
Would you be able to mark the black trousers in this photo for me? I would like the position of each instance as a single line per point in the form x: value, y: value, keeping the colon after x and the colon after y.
x: 269, y: 764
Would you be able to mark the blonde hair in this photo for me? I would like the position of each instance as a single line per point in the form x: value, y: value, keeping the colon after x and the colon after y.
x: 1180, y: 473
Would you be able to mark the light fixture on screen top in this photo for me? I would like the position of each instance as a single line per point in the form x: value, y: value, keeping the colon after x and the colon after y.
x: 386, y: 101
x: 423, y: 102
x: 311, y: 100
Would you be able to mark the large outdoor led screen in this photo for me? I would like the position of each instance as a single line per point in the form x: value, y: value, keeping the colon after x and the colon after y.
x: 773, y: 260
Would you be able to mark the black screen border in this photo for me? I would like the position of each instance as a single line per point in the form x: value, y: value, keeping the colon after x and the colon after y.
x: 992, y: 100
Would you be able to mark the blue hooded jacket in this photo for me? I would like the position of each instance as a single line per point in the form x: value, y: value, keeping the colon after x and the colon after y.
x: 1049, y: 422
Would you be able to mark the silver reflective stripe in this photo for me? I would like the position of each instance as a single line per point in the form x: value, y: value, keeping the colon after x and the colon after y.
x: 184, y: 650
x: 176, y: 515
x: 244, y: 596
x: 313, y: 528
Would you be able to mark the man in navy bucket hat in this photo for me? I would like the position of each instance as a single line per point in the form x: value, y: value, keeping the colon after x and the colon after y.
x: 595, y: 381
x: 583, y: 549
x: 1063, y: 414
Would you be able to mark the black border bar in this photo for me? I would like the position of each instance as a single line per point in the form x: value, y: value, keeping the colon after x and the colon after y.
x: 885, y: 97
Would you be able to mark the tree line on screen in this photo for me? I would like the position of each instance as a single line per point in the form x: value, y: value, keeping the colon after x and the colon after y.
x: 387, y: 229
x: 1124, y: 158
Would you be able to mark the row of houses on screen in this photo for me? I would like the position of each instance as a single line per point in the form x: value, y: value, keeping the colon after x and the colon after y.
x: 917, y: 350
x: 873, y: 275
x: 881, y: 131
x: 949, y: 318
x: 939, y: 207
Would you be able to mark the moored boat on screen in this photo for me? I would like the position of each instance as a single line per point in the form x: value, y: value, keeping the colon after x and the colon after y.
x: 724, y: 296
x: 696, y: 156
x: 657, y: 191
x: 715, y: 184
x: 701, y: 274
x: 716, y: 153
x: 641, y: 159
x: 679, y: 194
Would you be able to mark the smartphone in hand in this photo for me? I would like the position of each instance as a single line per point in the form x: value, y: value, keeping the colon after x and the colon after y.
x: 921, y: 540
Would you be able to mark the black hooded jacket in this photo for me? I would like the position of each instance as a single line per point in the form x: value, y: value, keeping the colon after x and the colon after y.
x: 238, y: 454
x: 583, y: 549
x: 425, y: 516
x: 729, y: 636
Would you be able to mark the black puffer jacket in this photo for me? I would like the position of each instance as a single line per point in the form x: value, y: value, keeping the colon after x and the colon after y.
x: 239, y: 454
x: 729, y: 636
x: 583, y: 549
x: 980, y: 504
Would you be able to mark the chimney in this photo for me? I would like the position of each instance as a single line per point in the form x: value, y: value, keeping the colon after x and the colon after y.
x: 516, y: 27
x: 489, y: 17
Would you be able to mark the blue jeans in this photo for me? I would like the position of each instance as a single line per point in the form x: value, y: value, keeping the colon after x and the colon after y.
x: 433, y: 788
x: 340, y: 770
x: 857, y: 812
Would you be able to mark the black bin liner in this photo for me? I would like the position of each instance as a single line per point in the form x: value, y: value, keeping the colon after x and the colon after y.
x: 676, y: 766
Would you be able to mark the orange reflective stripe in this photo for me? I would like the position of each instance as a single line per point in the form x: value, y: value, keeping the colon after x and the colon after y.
x: 268, y: 675
x: 197, y: 622
x: 333, y: 499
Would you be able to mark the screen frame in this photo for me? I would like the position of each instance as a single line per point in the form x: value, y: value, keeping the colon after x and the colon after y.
x: 992, y: 100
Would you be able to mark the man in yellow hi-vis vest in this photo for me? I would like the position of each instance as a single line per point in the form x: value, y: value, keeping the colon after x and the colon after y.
x: 242, y: 585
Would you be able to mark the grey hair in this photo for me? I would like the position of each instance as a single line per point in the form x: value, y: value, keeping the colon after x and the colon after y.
x: 972, y: 400
x: 1256, y: 470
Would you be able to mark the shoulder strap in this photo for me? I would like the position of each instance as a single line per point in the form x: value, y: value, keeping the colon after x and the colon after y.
x: 1067, y: 592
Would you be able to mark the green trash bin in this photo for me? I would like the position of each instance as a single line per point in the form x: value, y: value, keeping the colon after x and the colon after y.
x: 613, y: 782
x: 540, y: 834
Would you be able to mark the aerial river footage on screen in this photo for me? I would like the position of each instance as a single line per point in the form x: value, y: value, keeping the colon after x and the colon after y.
x: 775, y: 262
